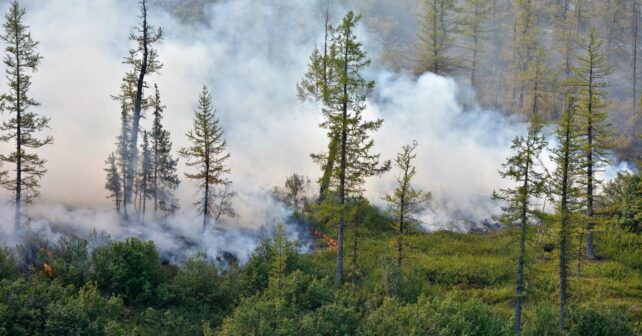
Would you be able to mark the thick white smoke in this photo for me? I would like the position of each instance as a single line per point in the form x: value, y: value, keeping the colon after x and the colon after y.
x: 250, y: 53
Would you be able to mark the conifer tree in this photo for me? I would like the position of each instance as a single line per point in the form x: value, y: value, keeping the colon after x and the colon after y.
x: 436, y: 37
x: 163, y: 180
x: 144, y: 175
x: 538, y: 80
x: 314, y: 86
x: 525, y: 43
x: 21, y: 60
x: 473, y: 20
x: 567, y: 157
x: 525, y: 169
x: 144, y: 62
x: 565, y: 43
x: 207, y: 153
x: 343, y: 113
x: 406, y: 200
x: 589, y: 79
x: 113, y: 183
x: 122, y: 151
x: 282, y: 251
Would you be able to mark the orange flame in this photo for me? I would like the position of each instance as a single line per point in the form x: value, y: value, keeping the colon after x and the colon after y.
x: 47, y: 264
x: 328, y: 243
x: 48, y: 270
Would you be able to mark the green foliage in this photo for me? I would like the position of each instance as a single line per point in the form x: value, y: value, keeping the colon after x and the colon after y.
x: 7, y: 264
x: 113, y: 182
x: 21, y: 60
x: 25, y: 305
x: 460, y: 284
x: 436, y: 37
x: 622, y: 201
x: 328, y: 320
x: 592, y: 321
x: 545, y: 323
x: 434, y: 317
x: 71, y: 261
x: 163, y: 178
x: 88, y: 313
x: 207, y: 153
x: 130, y: 269
x: 199, y: 291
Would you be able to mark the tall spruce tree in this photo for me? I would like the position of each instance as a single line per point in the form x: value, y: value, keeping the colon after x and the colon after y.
x: 525, y: 169
x: 113, y: 183
x: 164, y: 180
x: 406, y: 201
x: 144, y: 62
x: 567, y: 157
x: 343, y: 109
x: 207, y: 153
x: 589, y: 79
x: 21, y: 60
x: 436, y: 37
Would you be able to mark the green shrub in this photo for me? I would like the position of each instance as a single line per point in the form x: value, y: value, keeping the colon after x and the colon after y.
x: 71, y: 261
x: 592, y: 321
x: 130, y: 269
x: 329, y: 320
x: 7, y: 264
x: 88, y: 313
x: 545, y: 323
x: 433, y: 317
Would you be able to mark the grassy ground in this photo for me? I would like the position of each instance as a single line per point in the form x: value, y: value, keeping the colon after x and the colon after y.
x: 483, y: 266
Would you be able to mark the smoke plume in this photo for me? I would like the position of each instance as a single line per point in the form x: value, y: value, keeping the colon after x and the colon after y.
x: 250, y: 54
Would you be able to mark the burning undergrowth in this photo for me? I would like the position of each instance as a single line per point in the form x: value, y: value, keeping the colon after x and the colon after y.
x: 176, y: 238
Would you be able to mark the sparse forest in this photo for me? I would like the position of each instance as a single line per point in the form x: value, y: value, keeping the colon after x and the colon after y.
x: 359, y: 246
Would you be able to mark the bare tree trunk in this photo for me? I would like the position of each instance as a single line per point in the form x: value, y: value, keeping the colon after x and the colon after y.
x: 138, y: 106
x: 522, y: 251
x: 401, y: 227
x: 206, y: 199
x: 565, y: 221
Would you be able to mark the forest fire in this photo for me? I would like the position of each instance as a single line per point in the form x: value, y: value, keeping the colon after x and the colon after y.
x: 46, y: 266
x: 326, y: 242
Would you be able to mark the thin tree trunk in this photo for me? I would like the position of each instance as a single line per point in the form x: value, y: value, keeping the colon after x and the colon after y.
x: 634, y: 46
x: 342, y: 170
x: 565, y: 220
x: 138, y: 106
x: 332, y: 146
x: 18, y: 136
x: 522, y: 251
x: 401, y: 227
x: 206, y: 200
x: 354, y: 253
x: 155, y: 185
x: 590, y: 249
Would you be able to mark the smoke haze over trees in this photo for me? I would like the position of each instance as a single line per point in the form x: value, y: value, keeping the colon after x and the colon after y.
x: 181, y: 197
